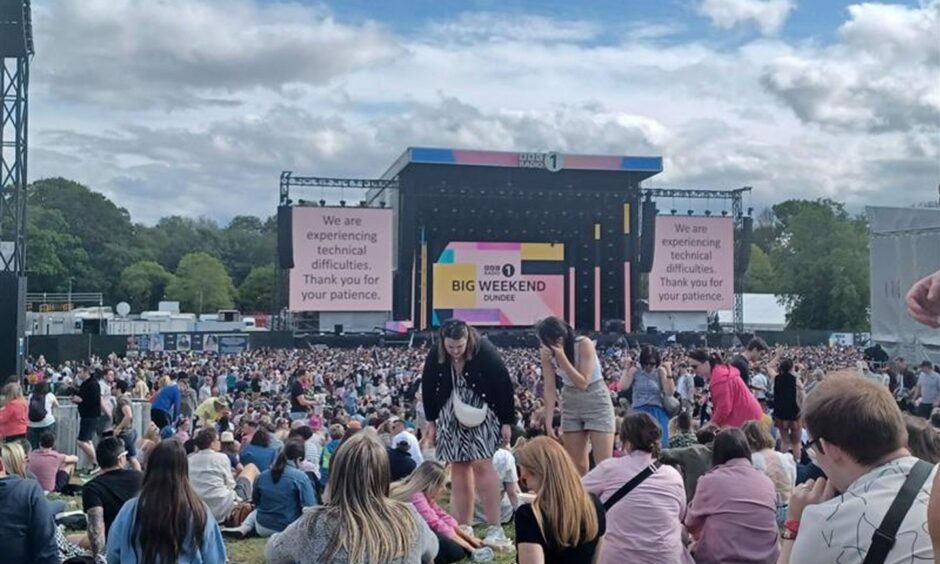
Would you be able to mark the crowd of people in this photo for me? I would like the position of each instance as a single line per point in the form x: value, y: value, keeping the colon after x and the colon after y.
x: 392, y: 454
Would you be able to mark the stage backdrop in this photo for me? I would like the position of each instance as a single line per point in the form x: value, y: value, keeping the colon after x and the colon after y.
x: 505, y: 284
x: 693, y: 264
x: 342, y: 259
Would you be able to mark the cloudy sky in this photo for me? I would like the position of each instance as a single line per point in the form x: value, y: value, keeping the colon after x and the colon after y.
x: 193, y: 107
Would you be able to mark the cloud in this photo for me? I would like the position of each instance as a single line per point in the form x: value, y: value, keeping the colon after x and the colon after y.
x: 140, y: 54
x: 231, y: 167
x: 768, y: 15
x: 882, y: 75
x: 487, y: 26
x: 722, y: 118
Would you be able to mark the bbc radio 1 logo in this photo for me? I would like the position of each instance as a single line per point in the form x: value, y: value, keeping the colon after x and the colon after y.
x: 506, y: 270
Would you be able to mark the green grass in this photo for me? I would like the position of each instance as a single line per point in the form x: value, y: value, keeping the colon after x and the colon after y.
x: 251, y: 551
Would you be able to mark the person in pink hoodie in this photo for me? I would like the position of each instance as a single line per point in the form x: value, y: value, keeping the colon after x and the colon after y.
x: 422, y: 489
x: 733, y: 404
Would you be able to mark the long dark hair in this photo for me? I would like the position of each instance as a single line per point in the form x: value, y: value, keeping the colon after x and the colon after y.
x: 551, y: 329
x: 41, y: 388
x: 168, y: 509
x: 261, y: 438
x: 293, y: 450
x: 703, y: 355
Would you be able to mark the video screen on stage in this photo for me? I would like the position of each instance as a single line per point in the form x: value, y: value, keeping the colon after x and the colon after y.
x: 499, y: 284
x: 342, y: 259
x: 693, y: 264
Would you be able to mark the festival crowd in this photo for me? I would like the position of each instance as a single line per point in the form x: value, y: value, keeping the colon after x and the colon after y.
x: 641, y: 454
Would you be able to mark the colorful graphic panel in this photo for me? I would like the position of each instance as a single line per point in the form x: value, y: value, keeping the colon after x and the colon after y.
x: 500, y: 284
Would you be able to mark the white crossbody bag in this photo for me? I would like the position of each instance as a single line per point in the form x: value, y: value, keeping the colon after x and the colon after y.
x: 467, y: 415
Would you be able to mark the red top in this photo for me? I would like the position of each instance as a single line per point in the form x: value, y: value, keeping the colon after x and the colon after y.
x: 733, y: 404
x: 13, y: 418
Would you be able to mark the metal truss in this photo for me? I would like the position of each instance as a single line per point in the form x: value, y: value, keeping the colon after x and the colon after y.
x: 14, y: 83
x: 374, y: 185
x: 737, y: 213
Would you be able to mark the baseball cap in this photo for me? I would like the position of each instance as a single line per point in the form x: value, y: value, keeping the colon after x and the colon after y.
x: 393, y: 419
x: 227, y: 437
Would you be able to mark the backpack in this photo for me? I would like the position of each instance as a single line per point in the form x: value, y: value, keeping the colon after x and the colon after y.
x: 37, y: 408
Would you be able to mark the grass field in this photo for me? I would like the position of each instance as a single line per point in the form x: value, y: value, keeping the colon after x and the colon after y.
x: 251, y: 551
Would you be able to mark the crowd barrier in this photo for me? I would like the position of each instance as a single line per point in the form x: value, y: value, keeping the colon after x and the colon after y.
x: 66, y: 416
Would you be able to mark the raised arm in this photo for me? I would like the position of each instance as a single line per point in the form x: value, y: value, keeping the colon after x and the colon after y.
x: 626, y: 381
x: 666, y: 381
x: 579, y: 375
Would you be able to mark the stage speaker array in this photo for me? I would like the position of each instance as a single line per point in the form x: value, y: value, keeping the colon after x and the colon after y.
x: 647, y: 236
x: 743, y: 254
x: 285, y: 242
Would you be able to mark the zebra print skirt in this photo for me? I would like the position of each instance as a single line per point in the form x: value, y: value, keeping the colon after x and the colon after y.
x: 456, y: 443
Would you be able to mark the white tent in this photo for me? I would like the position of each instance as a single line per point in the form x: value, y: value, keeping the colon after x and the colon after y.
x: 762, y: 312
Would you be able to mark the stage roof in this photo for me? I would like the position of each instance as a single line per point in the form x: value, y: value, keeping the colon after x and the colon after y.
x: 644, y: 167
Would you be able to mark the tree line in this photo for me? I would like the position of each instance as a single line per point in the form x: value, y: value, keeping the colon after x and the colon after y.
x: 811, y: 253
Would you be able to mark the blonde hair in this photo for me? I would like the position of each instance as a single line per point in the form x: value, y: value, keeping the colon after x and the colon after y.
x: 370, y: 527
x: 14, y: 459
x: 428, y: 477
x: 571, y: 513
x: 12, y: 391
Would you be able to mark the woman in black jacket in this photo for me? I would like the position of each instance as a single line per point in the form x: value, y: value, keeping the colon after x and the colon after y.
x: 468, y: 402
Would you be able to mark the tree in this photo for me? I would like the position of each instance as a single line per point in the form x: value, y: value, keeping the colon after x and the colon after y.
x: 53, y: 255
x: 201, y: 284
x: 144, y: 283
x: 103, y: 230
x: 821, y: 260
x: 257, y: 291
x: 247, y: 243
x: 759, y: 278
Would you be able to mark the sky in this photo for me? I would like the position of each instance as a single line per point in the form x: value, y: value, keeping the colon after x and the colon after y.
x: 194, y: 107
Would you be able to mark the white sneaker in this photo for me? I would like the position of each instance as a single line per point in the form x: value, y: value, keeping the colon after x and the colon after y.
x: 497, y: 540
x: 484, y: 554
x: 466, y: 529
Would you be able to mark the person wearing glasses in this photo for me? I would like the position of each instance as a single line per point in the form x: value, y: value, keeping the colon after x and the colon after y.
x: 103, y: 496
x: 858, y: 438
x: 468, y: 403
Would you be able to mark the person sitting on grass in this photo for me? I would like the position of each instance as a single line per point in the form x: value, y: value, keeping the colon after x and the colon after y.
x: 279, y: 495
x: 359, y: 522
x: 684, y: 436
x: 259, y: 451
x: 211, y: 475
x: 564, y: 523
x: 422, y: 489
x: 27, y: 528
x: 103, y: 496
x: 167, y: 522
x: 52, y: 469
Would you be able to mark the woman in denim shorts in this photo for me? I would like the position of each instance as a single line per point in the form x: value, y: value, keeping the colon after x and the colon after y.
x: 587, y: 411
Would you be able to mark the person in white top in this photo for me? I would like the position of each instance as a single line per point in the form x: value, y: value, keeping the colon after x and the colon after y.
x: 505, y: 464
x: 399, y: 434
x: 46, y: 423
x: 859, y: 440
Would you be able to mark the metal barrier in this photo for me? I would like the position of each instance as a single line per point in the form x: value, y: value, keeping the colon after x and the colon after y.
x: 67, y: 423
